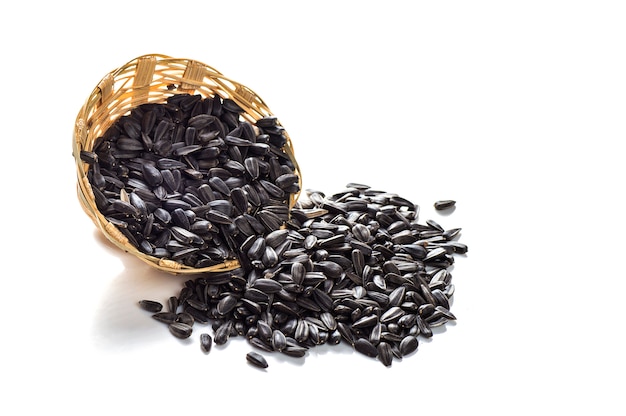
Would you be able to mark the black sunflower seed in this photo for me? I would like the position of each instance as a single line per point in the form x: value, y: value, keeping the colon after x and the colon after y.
x: 268, y: 286
x: 218, y: 217
x: 206, y: 342
x: 226, y: 304
x: 256, y: 359
x: 185, y: 318
x: 385, y: 354
x: 408, y: 345
x: 151, y: 305
x: 223, y: 332
x: 180, y: 330
x: 444, y: 204
x: 365, y: 347
x: 89, y: 157
x: 279, y: 341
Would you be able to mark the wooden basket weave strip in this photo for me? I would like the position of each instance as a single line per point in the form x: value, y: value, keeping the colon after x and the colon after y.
x: 152, y: 79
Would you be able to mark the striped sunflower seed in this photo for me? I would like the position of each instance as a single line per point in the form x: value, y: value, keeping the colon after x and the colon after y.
x: 256, y: 359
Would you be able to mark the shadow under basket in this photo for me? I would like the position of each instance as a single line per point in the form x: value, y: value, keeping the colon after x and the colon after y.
x: 153, y: 79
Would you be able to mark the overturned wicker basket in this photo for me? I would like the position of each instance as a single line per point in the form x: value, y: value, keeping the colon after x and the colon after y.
x: 152, y: 79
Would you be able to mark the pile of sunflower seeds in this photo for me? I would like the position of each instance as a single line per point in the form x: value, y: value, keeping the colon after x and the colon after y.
x: 355, y: 267
x: 190, y: 180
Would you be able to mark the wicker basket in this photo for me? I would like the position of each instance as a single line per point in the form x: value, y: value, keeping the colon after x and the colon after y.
x: 152, y: 79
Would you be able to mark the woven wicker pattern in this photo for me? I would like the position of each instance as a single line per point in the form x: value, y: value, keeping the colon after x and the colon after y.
x: 152, y: 79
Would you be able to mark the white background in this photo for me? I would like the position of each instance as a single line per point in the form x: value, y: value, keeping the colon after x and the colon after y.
x: 514, y: 109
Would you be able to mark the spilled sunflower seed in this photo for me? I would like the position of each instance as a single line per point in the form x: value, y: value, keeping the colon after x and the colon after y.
x: 364, y: 271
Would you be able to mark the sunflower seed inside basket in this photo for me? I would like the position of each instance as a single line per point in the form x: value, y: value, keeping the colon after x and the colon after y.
x: 341, y: 271
x: 190, y: 180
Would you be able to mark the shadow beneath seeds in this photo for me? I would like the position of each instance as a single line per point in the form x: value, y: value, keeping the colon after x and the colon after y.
x: 446, y: 212
x: 313, y: 351
x: 264, y: 370
x: 436, y: 331
x: 119, y: 323
x: 283, y: 358
x: 443, y: 328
